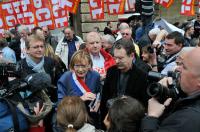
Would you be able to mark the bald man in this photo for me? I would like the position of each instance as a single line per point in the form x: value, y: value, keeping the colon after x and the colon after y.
x: 185, y: 116
x: 100, y: 58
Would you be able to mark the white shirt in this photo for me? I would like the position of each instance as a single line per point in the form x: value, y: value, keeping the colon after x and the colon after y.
x: 23, y: 48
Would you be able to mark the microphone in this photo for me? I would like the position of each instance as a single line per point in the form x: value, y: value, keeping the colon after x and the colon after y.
x: 33, y: 82
x: 37, y: 81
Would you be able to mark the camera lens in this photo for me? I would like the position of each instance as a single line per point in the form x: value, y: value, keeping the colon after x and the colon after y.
x: 150, y: 50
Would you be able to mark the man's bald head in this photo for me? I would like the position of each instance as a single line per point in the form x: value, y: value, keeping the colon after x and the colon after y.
x: 192, y: 58
x: 123, y: 26
x: 92, y: 35
x: 93, y: 43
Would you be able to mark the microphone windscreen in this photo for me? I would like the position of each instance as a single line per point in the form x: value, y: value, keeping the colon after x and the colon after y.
x: 38, y: 81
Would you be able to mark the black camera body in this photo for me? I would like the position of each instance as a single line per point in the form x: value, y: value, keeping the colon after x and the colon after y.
x: 160, y: 92
x: 150, y: 49
x: 9, y: 70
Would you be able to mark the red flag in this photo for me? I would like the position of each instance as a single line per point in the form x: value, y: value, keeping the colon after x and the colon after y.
x: 115, y: 6
x: 199, y: 6
x: 60, y: 15
x: 96, y: 9
x: 187, y: 7
x: 69, y: 5
x: 9, y: 15
x: 2, y: 27
x: 131, y: 5
x: 164, y: 3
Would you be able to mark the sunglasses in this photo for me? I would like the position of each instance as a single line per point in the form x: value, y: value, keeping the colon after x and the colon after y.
x: 125, y: 33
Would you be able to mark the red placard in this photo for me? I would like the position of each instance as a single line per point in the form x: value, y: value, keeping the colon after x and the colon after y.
x: 157, y: 1
x: 131, y: 5
x: 187, y: 7
x: 43, y: 13
x: 2, y: 27
x: 115, y: 6
x: 60, y: 15
x: 96, y: 9
x: 199, y: 6
x: 9, y: 15
x: 32, y: 13
x: 164, y: 3
x: 69, y: 5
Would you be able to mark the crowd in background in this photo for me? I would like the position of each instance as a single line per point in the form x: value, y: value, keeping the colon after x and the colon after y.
x: 100, y: 82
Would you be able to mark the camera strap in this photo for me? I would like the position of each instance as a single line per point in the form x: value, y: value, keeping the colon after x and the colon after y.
x: 14, y: 114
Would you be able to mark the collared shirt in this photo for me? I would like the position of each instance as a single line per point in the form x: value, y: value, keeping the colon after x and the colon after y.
x: 23, y: 48
x: 98, y: 64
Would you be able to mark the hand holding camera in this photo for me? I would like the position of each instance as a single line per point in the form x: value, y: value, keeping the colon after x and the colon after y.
x: 156, y: 109
x: 168, y: 87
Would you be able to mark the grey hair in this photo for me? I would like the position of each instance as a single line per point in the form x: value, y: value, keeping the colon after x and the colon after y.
x: 110, y: 39
x: 123, y: 25
x: 23, y: 28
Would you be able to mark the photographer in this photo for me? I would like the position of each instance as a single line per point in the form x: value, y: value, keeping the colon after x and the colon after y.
x: 149, y: 57
x: 185, y: 115
x: 173, y: 44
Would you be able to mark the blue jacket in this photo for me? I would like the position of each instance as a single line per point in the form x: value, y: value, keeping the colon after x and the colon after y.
x: 65, y: 87
x: 6, y: 120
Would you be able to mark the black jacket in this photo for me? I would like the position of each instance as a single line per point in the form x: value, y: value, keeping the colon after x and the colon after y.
x: 49, y: 67
x: 185, y: 117
x: 136, y: 86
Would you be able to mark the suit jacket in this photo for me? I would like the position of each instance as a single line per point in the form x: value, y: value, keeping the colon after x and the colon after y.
x: 65, y: 87
x: 49, y: 67
x: 136, y: 86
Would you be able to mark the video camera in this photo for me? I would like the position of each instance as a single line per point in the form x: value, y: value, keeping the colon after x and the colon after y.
x: 10, y: 87
x: 8, y: 70
x: 160, y: 92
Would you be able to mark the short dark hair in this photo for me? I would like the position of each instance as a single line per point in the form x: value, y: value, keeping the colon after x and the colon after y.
x: 108, y: 23
x: 70, y: 28
x: 177, y: 36
x: 125, y: 44
x: 3, y: 43
x: 125, y: 115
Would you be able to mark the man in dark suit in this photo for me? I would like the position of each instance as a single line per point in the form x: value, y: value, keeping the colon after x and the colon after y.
x: 124, y: 78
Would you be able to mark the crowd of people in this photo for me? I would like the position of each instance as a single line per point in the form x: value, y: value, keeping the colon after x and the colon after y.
x: 100, y: 83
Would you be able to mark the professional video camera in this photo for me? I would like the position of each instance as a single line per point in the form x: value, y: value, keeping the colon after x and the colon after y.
x: 24, y: 93
x: 160, y: 92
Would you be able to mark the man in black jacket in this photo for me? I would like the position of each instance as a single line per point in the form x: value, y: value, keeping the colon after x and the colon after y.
x: 185, y: 115
x: 124, y: 78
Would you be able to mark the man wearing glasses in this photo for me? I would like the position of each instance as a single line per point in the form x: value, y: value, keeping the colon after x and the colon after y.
x: 35, y: 61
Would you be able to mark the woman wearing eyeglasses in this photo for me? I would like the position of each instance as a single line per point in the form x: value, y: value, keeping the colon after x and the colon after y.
x: 81, y: 81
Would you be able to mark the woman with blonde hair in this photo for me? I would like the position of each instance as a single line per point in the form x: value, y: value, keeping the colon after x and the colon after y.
x: 82, y: 81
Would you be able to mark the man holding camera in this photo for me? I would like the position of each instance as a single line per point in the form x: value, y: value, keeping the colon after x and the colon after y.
x: 185, y: 115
